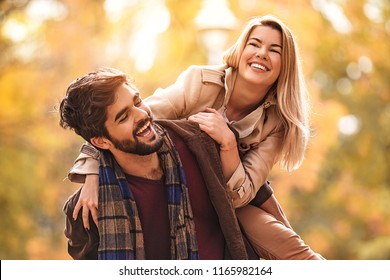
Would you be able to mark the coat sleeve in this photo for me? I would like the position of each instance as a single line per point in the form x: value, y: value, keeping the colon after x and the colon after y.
x: 82, y: 243
x: 254, y: 169
x: 194, y: 90
x: 85, y: 164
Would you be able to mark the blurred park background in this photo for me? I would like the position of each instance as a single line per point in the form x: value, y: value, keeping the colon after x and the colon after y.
x: 338, y: 201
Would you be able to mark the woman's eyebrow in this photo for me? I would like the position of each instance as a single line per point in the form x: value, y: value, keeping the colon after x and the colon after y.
x: 260, y: 41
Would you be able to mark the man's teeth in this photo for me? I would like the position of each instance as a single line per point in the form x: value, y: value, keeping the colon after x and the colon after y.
x: 259, y: 66
x: 142, y: 129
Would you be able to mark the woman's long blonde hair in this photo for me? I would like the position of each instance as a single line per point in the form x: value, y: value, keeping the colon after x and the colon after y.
x: 290, y: 90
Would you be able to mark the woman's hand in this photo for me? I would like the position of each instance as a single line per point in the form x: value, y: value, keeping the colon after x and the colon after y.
x: 88, y: 200
x: 215, y: 126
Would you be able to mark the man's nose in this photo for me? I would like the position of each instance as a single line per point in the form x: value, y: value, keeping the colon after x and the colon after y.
x: 140, y: 114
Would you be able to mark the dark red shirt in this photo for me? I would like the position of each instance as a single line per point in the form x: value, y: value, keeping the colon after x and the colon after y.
x: 151, y: 198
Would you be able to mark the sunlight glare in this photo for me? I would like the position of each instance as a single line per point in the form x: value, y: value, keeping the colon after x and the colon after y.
x: 152, y: 20
x: 114, y: 8
x: 41, y: 10
x: 344, y: 86
x: 348, y: 125
x: 335, y: 14
x: 14, y: 30
x: 365, y: 64
x: 373, y: 10
x: 353, y: 71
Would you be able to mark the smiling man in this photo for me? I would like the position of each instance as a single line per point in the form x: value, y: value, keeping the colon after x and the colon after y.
x: 158, y: 199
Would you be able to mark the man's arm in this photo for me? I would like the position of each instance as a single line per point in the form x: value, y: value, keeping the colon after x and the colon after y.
x: 82, y: 243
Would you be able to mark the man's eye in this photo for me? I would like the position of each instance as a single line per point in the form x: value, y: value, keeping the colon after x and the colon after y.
x: 123, y: 118
x: 138, y: 102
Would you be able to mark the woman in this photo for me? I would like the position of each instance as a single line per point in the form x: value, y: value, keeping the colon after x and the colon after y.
x: 260, y: 92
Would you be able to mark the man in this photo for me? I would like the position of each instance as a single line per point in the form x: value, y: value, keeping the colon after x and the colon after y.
x: 161, y: 187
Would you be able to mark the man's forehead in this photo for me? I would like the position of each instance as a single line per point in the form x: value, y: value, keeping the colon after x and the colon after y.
x: 124, y: 98
x: 126, y: 91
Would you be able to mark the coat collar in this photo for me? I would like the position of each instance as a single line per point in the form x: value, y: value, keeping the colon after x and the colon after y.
x: 246, y: 125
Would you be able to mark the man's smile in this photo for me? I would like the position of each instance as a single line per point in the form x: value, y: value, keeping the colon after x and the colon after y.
x: 145, y: 130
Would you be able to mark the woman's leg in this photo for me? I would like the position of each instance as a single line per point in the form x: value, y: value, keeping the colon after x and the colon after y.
x: 270, y: 238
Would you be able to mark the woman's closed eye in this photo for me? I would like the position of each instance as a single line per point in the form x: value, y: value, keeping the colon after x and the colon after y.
x: 254, y: 44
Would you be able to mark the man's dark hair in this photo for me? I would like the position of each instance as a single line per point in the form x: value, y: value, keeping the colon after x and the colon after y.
x: 84, y: 108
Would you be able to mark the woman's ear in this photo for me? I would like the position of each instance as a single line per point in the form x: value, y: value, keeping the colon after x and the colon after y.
x: 101, y: 142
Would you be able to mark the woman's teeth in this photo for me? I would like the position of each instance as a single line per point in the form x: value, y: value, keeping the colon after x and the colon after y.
x: 259, y: 66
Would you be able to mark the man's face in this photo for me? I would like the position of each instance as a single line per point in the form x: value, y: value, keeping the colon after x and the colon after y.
x: 130, y: 125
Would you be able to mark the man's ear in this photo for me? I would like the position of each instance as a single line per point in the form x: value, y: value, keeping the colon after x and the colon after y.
x: 101, y: 142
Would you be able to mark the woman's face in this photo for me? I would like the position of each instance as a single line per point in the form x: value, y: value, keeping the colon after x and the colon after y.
x: 261, y: 59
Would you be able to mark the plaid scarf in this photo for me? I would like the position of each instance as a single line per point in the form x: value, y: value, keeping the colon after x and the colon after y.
x: 119, y: 226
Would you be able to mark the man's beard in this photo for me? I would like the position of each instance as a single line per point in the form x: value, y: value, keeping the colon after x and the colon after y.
x: 136, y: 147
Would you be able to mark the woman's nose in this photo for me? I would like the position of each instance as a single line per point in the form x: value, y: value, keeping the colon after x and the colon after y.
x: 262, y: 53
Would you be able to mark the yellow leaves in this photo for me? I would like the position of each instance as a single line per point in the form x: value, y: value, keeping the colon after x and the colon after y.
x: 36, y: 153
x: 318, y: 239
x: 10, y: 101
x: 38, y: 248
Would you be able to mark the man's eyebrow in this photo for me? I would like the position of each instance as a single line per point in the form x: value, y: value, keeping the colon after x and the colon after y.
x: 260, y: 41
x: 121, y: 112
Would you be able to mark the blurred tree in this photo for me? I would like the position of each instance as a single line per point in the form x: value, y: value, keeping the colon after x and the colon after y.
x: 336, y: 201
x: 36, y: 65
x: 348, y: 202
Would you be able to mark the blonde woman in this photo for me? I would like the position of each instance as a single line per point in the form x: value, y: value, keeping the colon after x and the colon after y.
x: 260, y: 92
